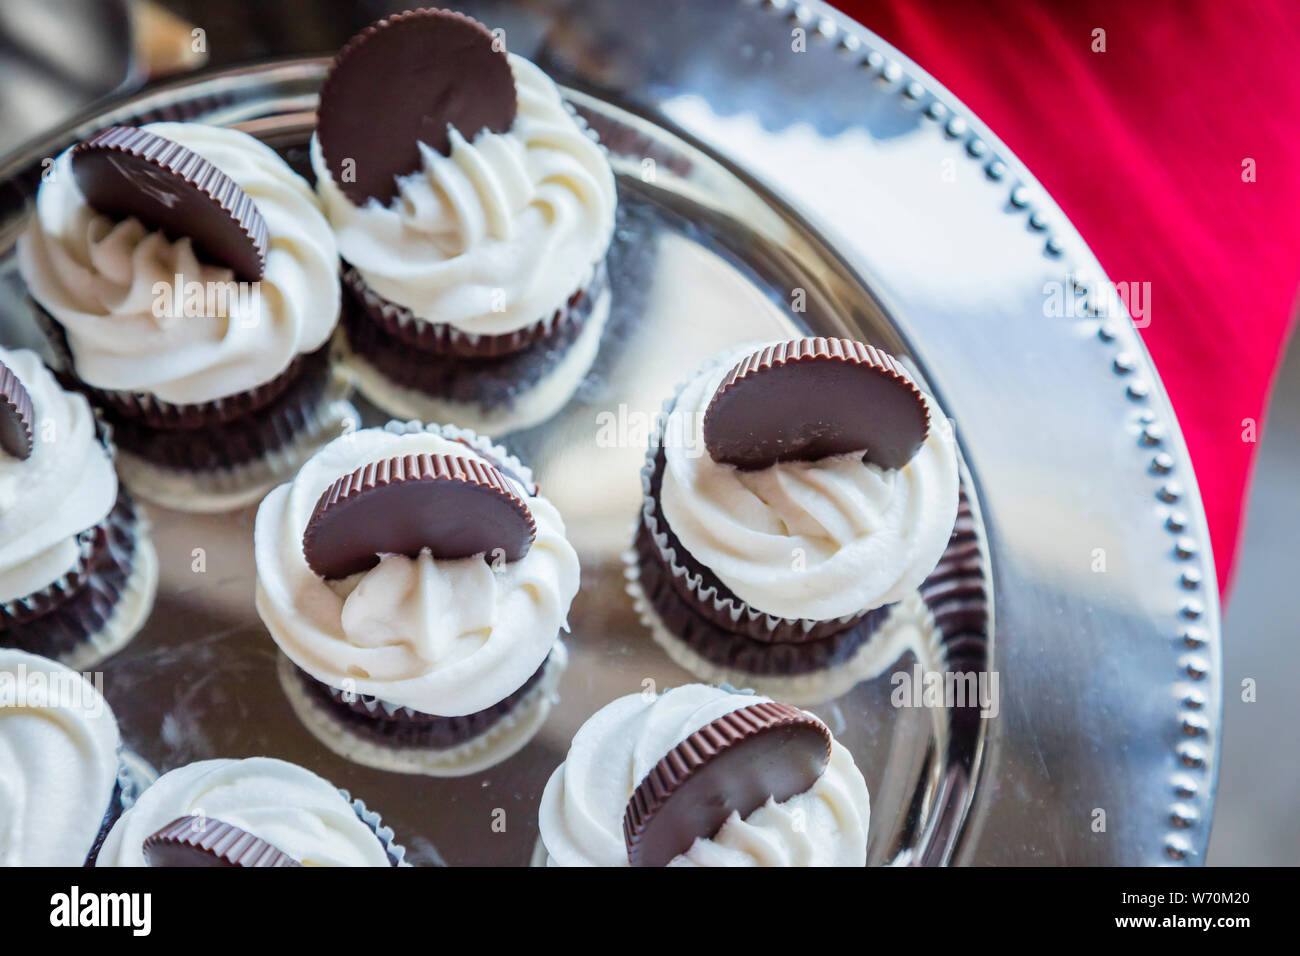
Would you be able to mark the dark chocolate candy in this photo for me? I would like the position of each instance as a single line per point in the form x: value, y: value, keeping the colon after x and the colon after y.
x: 402, y: 81
x: 202, y: 841
x: 454, y: 506
x: 732, y: 765
x: 813, y: 398
x: 17, y: 417
x: 125, y: 172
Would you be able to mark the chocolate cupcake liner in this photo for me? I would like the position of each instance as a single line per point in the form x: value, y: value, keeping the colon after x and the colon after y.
x: 732, y: 649
x: 235, y: 441
x: 371, y: 818
x: 494, y: 396
x: 148, y: 410
x: 97, y: 607
x: 504, y: 738
x: 945, y: 623
x: 133, y: 776
x: 712, y: 599
x: 491, y: 382
x: 897, y: 633
x: 390, y: 723
x: 244, y: 471
x: 154, y: 412
x: 20, y: 611
x: 223, y: 454
x: 439, y: 338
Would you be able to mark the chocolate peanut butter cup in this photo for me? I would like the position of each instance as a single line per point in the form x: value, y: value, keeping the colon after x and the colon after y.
x: 404, y: 81
x: 17, y: 416
x: 453, y: 506
x: 732, y: 765
x: 813, y: 398
x: 202, y: 841
x: 132, y: 173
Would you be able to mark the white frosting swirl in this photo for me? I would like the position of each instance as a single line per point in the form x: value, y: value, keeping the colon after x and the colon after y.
x: 441, y: 637
x: 495, y: 236
x: 65, y: 486
x: 107, y: 283
x: 808, y: 540
x: 284, y: 804
x: 582, y: 809
x: 58, y: 762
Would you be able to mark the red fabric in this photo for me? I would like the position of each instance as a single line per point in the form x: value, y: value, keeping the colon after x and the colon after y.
x: 1143, y: 147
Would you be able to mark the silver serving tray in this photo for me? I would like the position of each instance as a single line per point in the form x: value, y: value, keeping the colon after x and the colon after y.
x: 791, y: 150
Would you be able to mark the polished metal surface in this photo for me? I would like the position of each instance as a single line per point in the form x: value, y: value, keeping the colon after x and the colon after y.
x: 914, y: 228
x: 56, y: 57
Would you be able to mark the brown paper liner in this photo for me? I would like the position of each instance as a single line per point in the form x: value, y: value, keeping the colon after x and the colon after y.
x: 63, y: 616
x: 154, y: 412
x: 233, y: 441
x: 692, y: 622
x: 761, y: 628
x: 489, y: 383
x: 401, y: 726
x: 402, y: 326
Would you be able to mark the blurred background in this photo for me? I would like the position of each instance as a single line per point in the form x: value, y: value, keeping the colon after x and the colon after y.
x: 58, y: 57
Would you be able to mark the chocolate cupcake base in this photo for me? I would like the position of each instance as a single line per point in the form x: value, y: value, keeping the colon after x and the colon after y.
x: 224, y: 454
x: 133, y: 776
x: 97, y: 607
x: 377, y: 735
x: 494, y: 395
x: 384, y: 723
x: 808, y: 671
x: 946, y: 619
x: 218, y: 435
x: 228, y: 466
x: 707, y: 597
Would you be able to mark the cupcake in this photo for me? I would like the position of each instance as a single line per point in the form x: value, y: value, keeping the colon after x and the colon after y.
x: 702, y: 776
x: 473, y: 214
x: 794, y: 494
x: 189, y: 281
x: 63, y: 779
x: 78, y: 573
x: 416, y: 583
x: 253, y: 812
